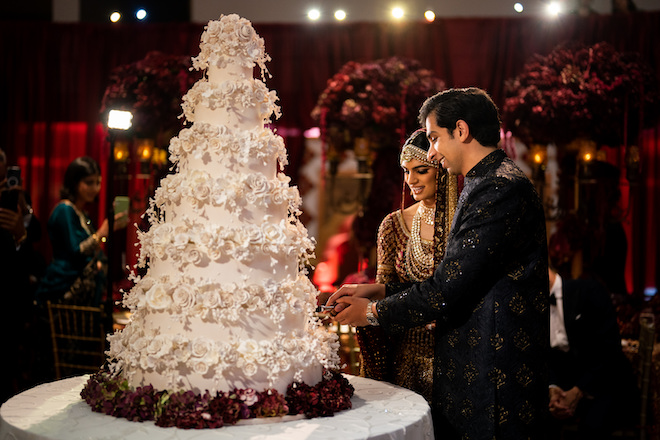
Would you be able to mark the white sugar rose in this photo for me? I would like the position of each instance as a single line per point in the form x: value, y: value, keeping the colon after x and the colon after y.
x: 228, y: 88
x: 193, y: 256
x: 248, y: 350
x: 200, y: 347
x: 201, y: 191
x: 290, y: 345
x: 159, y: 346
x: 249, y: 369
x: 158, y: 297
x: 180, y: 240
x: 257, y: 184
x: 183, y: 297
x: 211, y: 299
x: 244, y: 32
x: 200, y: 366
x: 241, y: 296
x: 274, y: 234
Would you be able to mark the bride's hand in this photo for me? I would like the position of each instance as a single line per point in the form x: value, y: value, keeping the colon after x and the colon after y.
x: 370, y: 291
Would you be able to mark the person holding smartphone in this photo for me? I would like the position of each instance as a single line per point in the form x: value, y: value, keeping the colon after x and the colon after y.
x: 77, y: 273
x: 21, y: 266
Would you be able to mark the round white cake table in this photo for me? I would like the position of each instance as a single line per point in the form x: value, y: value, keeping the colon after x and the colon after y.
x: 56, y: 411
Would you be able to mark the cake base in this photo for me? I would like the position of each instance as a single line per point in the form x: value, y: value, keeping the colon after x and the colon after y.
x: 54, y: 411
x: 112, y: 395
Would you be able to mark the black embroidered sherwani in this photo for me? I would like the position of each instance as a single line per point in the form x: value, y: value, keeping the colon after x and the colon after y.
x: 489, y: 298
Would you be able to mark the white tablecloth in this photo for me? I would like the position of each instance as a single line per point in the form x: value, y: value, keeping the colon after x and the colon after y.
x: 55, y: 411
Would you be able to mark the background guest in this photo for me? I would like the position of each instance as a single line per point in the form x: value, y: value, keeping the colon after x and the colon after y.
x: 20, y: 268
x: 77, y: 273
x: 591, y: 380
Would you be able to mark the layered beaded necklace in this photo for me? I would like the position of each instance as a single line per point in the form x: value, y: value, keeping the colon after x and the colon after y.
x: 420, y: 260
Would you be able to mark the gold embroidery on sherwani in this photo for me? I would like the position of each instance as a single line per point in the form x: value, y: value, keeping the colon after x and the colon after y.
x: 524, y: 376
x: 470, y: 373
x: 473, y: 337
x: 497, y: 341
x: 521, y: 340
x: 526, y: 412
x: 517, y: 304
x: 467, y: 408
x: 497, y: 377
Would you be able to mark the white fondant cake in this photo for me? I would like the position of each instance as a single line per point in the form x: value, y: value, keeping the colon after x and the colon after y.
x: 225, y: 302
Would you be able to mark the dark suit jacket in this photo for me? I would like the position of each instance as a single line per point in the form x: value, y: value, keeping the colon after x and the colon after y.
x: 489, y: 298
x: 595, y: 362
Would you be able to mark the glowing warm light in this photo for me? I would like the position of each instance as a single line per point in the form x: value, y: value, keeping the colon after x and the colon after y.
x: 340, y: 14
x: 518, y: 7
x: 314, y: 14
x: 397, y: 13
x: 554, y: 8
x: 119, y: 119
x: 538, y: 158
x: 588, y: 157
x: 429, y: 15
x: 121, y: 151
x: 145, y: 149
x: 141, y: 14
x: 115, y: 17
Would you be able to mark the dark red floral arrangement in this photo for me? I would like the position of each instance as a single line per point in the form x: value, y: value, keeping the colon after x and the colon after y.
x: 379, y: 100
x: 187, y: 410
x: 578, y: 91
x: 151, y: 89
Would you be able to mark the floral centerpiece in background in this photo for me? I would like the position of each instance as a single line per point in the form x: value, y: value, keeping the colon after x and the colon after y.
x: 151, y: 89
x: 371, y: 108
x: 581, y: 92
x: 378, y: 100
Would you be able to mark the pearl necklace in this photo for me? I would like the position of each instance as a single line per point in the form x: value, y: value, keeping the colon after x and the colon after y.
x: 416, y: 254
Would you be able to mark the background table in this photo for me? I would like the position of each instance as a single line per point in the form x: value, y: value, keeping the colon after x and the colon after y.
x: 55, y: 410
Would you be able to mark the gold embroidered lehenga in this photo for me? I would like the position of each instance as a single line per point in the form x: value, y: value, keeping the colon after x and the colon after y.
x: 407, y: 359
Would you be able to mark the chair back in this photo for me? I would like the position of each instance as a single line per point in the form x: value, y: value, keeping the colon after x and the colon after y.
x: 646, y: 343
x: 78, y: 338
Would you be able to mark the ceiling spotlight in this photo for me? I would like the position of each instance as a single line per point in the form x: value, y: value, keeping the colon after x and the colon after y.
x: 115, y: 17
x: 314, y: 14
x: 554, y: 8
x: 340, y: 14
x: 518, y: 7
x: 141, y: 14
x: 429, y: 15
x: 397, y: 13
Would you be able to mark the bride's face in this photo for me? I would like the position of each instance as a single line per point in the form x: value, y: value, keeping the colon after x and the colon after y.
x: 420, y: 178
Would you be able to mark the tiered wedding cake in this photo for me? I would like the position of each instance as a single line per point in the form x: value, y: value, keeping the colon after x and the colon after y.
x: 225, y: 303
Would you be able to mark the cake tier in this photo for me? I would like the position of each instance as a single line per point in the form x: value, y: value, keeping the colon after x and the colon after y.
x: 227, y: 151
x: 172, y: 352
x: 236, y: 104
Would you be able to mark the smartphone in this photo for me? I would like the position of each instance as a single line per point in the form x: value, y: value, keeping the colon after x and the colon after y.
x: 121, y: 204
x: 13, y: 176
x: 9, y: 199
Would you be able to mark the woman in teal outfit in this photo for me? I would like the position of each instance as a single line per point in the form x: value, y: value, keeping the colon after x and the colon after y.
x: 77, y: 273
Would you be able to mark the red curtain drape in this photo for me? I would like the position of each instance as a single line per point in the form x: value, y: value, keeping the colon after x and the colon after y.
x: 54, y: 76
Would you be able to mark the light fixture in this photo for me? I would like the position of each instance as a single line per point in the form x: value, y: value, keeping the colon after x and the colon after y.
x: 340, y: 14
x: 397, y: 13
x: 115, y: 17
x: 429, y: 15
x: 553, y: 8
x: 518, y: 7
x: 120, y: 119
x: 141, y: 14
x: 314, y: 14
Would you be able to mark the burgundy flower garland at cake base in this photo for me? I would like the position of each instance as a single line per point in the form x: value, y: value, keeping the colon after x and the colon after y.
x: 188, y: 410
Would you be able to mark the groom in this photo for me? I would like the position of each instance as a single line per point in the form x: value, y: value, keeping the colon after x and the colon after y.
x: 489, y: 294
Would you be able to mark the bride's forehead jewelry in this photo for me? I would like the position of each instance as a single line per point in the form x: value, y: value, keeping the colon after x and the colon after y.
x: 410, y: 152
